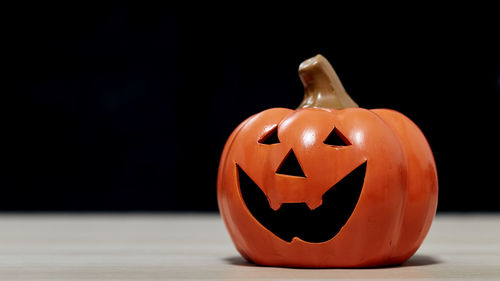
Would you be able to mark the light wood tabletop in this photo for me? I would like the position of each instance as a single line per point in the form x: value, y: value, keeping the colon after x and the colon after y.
x: 197, y: 247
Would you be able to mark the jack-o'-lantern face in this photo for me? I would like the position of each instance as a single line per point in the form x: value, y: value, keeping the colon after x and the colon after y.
x: 324, y: 204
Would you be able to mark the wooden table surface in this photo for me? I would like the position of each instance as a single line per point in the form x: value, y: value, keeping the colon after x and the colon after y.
x: 197, y: 247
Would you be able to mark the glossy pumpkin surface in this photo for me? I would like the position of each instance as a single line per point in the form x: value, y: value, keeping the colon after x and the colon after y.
x: 391, y: 215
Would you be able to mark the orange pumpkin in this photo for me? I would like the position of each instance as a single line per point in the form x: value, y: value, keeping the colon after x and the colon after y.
x: 328, y: 184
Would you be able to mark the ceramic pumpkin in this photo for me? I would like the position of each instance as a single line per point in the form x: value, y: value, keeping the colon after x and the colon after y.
x: 328, y: 184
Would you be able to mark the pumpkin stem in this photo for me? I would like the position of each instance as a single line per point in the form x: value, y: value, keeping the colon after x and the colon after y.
x: 322, y: 86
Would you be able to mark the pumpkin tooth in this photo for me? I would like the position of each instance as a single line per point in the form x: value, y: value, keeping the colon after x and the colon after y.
x: 313, y: 204
x: 274, y: 205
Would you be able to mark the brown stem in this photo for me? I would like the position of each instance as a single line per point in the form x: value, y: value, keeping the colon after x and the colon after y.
x: 322, y: 86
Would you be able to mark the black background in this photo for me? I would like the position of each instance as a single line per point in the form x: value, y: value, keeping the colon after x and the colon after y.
x: 127, y: 107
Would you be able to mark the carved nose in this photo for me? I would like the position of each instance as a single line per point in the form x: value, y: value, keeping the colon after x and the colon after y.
x: 290, y: 166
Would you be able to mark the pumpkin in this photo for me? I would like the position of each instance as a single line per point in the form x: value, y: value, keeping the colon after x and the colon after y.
x: 328, y: 184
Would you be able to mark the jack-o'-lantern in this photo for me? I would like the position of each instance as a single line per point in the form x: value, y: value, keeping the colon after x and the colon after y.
x: 328, y: 184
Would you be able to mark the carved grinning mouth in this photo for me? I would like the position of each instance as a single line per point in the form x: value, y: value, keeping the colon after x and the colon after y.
x: 296, y: 219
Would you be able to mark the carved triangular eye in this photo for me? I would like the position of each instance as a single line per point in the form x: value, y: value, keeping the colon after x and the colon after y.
x: 271, y: 137
x: 336, y: 138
